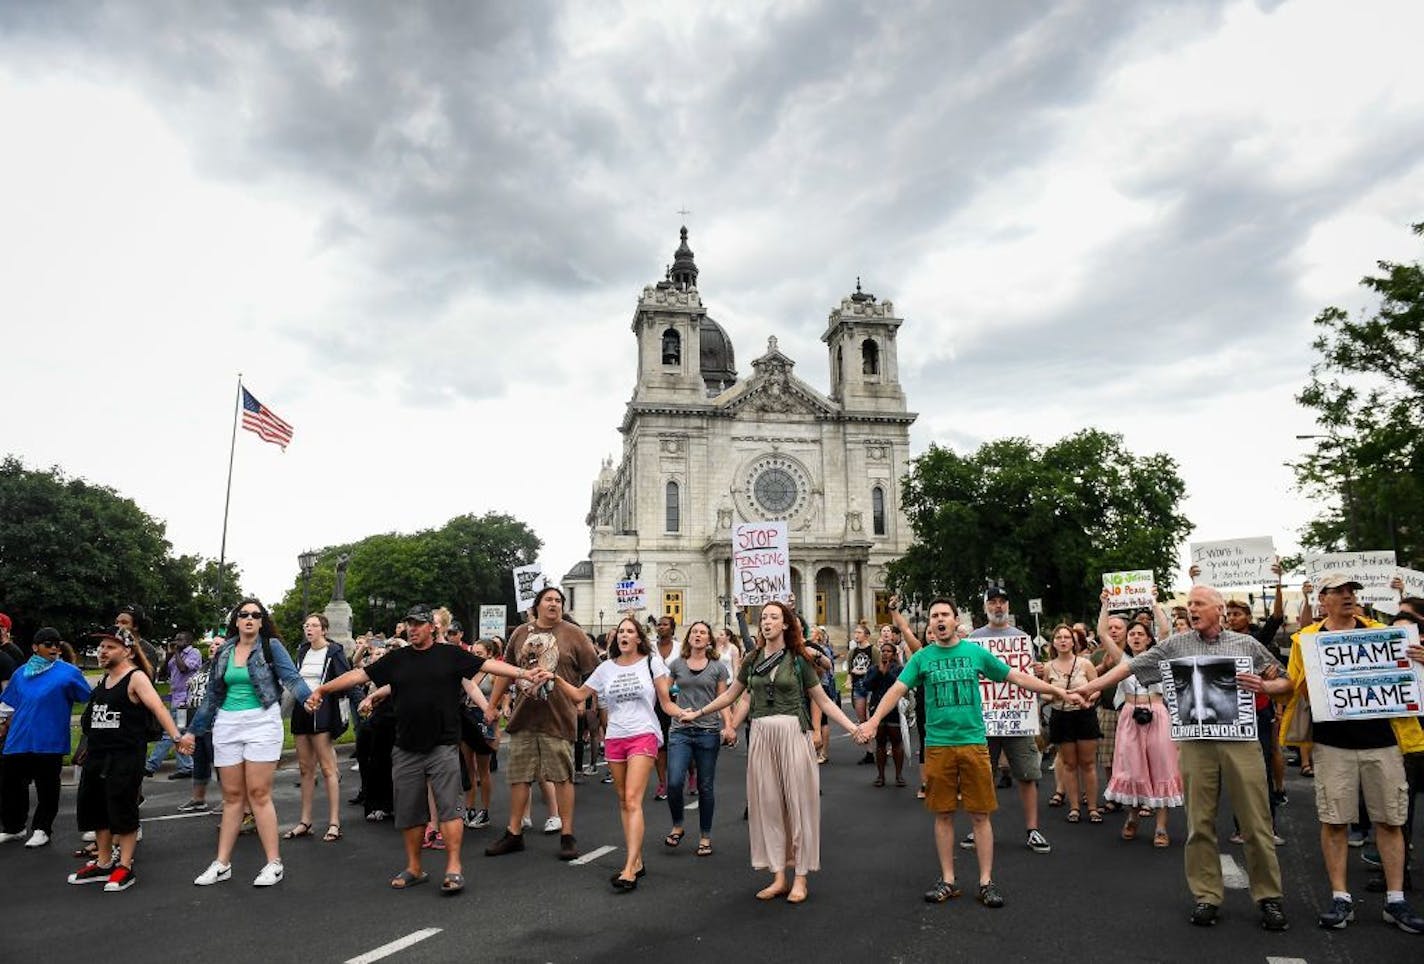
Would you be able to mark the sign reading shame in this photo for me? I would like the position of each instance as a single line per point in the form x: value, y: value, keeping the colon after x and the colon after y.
x: 1363, y: 674
x: 1130, y: 590
x: 761, y: 562
x: 1203, y: 699
x: 1235, y: 562
x: 528, y: 580
x: 1009, y: 710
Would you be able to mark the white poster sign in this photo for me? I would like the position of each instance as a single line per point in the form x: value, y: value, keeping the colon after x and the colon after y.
x: 761, y: 562
x: 1203, y: 700
x: 1413, y: 581
x: 1035, y: 607
x: 493, y: 621
x: 1131, y: 589
x: 1373, y: 569
x: 1008, y: 709
x: 528, y: 580
x: 1235, y: 562
x: 1363, y: 674
x: 629, y: 594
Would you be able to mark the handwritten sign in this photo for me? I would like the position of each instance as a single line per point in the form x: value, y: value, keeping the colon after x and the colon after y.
x: 1413, y: 581
x: 493, y: 621
x: 761, y: 562
x: 1203, y: 700
x: 1008, y: 709
x: 630, y: 594
x: 1363, y: 674
x: 528, y: 580
x: 1131, y: 589
x: 1235, y: 562
x: 1374, y: 570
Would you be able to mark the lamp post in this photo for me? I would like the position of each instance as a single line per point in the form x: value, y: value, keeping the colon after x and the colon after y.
x: 307, y: 562
x: 847, y: 587
x: 724, y: 606
x: 376, y: 607
x: 632, y: 570
x: 600, y: 622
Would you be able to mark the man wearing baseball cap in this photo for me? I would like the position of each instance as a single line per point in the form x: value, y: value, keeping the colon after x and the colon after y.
x: 1355, y: 758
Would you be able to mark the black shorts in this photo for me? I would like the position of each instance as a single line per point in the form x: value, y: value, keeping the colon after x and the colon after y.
x: 665, y: 722
x: 1069, y: 726
x: 888, y: 734
x: 473, y: 736
x: 109, y: 786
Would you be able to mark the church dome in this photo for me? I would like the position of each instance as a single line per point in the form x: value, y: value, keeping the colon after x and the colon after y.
x: 718, y: 364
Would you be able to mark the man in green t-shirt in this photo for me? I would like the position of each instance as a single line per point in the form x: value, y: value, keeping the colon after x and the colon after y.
x: 956, y: 767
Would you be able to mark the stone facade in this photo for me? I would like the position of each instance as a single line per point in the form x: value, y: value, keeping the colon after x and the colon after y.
x: 702, y: 449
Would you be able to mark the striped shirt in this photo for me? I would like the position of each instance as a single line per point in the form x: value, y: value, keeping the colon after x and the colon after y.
x: 1147, y: 666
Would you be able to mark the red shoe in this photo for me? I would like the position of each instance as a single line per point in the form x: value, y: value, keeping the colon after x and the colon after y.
x: 121, y: 879
x: 429, y: 842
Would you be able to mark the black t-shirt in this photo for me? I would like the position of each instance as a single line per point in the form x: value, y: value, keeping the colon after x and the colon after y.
x: 426, y: 686
x: 7, y: 667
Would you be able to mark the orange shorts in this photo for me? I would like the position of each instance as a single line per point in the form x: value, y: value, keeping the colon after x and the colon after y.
x: 959, y: 777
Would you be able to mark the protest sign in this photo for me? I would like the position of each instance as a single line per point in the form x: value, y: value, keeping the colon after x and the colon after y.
x: 1235, y: 562
x: 1131, y: 589
x: 1035, y: 607
x: 761, y: 562
x: 1203, y: 700
x: 1413, y: 581
x: 630, y: 594
x: 493, y: 621
x: 528, y: 580
x: 1363, y: 674
x: 1374, y: 570
x: 1008, y: 709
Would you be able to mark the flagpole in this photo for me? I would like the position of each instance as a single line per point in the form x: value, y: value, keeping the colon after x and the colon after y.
x: 227, y: 499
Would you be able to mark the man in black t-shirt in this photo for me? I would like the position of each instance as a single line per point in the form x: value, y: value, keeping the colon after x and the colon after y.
x: 427, y: 681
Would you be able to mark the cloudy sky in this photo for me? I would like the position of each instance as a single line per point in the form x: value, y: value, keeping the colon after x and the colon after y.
x: 419, y: 232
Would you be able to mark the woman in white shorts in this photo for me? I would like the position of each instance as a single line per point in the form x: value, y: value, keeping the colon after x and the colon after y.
x: 243, y: 707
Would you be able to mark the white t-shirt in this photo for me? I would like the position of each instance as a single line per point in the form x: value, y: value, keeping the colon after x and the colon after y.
x: 628, y: 694
x: 312, y: 665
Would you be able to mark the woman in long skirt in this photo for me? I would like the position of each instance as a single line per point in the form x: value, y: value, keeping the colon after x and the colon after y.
x: 1145, y: 776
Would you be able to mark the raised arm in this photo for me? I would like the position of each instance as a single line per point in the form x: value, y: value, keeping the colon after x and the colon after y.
x: 912, y: 643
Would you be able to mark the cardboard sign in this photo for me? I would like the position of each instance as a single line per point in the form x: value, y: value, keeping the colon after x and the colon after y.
x: 493, y: 621
x: 528, y: 580
x: 1373, y: 569
x: 761, y: 562
x: 629, y: 594
x: 1235, y: 562
x: 1363, y: 674
x: 1413, y: 581
x: 1203, y: 699
x: 1009, y: 710
x: 1131, y: 589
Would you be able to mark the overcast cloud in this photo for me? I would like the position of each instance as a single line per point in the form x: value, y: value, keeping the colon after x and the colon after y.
x: 419, y: 231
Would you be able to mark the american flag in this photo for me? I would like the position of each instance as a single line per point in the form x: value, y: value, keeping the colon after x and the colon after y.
x: 258, y: 418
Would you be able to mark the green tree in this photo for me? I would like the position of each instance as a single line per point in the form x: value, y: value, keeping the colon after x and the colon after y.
x: 71, y: 553
x: 1367, y: 390
x: 1042, y: 521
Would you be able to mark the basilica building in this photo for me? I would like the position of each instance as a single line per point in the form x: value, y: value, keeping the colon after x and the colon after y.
x: 703, y: 447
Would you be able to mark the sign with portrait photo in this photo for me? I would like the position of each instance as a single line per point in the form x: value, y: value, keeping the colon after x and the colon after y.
x: 1204, y: 701
x: 1009, y: 710
x: 1363, y: 674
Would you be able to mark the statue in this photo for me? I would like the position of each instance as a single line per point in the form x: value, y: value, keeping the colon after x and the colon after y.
x: 339, y: 593
x: 338, y: 611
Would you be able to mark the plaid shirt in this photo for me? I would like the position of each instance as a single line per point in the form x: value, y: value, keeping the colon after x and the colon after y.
x: 1147, y: 666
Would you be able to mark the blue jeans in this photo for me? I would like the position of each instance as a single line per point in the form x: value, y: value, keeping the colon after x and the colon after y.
x: 164, y: 744
x: 692, y: 745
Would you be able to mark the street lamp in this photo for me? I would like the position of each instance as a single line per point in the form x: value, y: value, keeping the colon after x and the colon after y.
x: 847, y: 587
x: 376, y: 607
x: 600, y: 622
x: 307, y: 562
x: 724, y: 606
x: 632, y: 570
x: 1349, y: 484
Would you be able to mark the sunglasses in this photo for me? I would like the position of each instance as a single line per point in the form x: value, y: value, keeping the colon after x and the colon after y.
x: 251, y: 614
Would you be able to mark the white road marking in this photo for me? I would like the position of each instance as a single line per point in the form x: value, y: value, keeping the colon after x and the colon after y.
x: 400, y: 944
x: 592, y: 855
x: 690, y: 806
x: 1286, y: 960
x: 182, y: 816
x: 1232, y: 875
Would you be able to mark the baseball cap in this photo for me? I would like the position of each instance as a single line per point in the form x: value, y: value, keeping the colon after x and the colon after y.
x: 115, y: 632
x: 1337, y: 580
x: 995, y: 592
x: 455, y: 626
x: 420, y: 614
x: 47, y: 636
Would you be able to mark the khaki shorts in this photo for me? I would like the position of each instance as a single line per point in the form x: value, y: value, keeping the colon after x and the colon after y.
x: 535, y: 757
x: 959, y: 776
x: 1025, y: 760
x: 1341, y: 776
x: 411, y: 773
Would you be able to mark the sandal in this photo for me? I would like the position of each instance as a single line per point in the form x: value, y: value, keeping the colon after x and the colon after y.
x: 1307, y: 771
x: 1073, y: 815
x: 1129, y: 830
x: 405, y: 880
x: 302, y: 829
x: 900, y: 781
x: 1160, y: 839
x: 675, y: 838
x: 878, y: 782
x: 452, y: 884
x: 704, y: 848
x: 1144, y: 812
x: 1094, y: 816
x: 920, y: 793
x: 1112, y: 806
x: 333, y: 833
x: 1057, y: 799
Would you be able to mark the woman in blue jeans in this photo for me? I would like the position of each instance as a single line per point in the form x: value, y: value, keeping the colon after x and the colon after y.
x: 698, y: 678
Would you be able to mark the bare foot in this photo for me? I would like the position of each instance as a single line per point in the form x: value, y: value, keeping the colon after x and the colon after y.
x: 773, y: 890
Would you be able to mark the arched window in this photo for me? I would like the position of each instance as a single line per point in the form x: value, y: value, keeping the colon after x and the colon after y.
x: 672, y: 347
x: 869, y: 357
x: 877, y: 511
x: 674, y: 509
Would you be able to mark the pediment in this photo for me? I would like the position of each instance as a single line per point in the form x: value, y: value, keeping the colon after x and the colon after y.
x: 779, y: 395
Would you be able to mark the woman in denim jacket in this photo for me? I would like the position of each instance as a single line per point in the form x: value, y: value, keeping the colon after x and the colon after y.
x: 243, y: 708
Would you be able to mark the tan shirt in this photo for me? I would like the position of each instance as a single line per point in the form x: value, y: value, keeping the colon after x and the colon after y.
x: 564, y: 651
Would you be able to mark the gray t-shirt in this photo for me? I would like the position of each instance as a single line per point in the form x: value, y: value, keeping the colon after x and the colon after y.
x: 1147, y: 666
x: 697, y: 688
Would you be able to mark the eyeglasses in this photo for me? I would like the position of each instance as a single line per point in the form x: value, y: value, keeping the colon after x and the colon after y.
x: 250, y: 614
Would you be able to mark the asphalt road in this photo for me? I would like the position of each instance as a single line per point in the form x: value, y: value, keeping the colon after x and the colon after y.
x: 1093, y: 897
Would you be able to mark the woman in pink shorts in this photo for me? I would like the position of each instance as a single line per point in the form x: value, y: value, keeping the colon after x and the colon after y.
x: 627, y: 685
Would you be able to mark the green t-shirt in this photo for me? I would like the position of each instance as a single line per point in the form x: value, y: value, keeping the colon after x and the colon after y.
x: 953, y: 713
x: 782, y: 691
x: 240, y: 695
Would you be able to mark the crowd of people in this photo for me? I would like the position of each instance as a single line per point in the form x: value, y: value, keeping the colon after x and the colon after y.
x: 427, y: 709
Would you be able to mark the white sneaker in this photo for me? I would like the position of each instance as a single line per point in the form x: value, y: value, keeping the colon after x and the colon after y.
x: 553, y: 825
x: 89, y: 836
x: 213, y: 874
x: 138, y: 836
x: 271, y: 874
x: 37, y: 839
x: 525, y: 824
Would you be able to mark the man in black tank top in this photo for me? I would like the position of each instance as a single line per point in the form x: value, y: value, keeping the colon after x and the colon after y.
x: 115, y: 723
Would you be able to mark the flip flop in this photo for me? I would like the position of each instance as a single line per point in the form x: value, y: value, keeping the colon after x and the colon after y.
x: 704, y: 849
x: 674, y: 839
x: 452, y: 884
x: 405, y: 880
